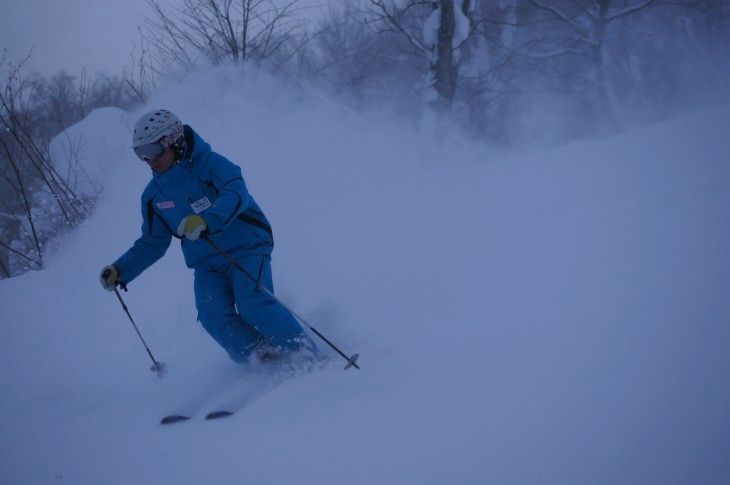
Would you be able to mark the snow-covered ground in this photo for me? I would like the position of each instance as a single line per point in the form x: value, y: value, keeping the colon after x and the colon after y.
x: 536, y: 317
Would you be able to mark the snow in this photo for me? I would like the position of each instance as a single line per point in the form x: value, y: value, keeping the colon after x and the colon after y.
x: 431, y: 28
x: 461, y: 25
x: 86, y: 151
x: 553, y: 316
x: 432, y: 24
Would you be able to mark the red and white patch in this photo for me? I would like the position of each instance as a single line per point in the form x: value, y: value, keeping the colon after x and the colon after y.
x: 168, y: 204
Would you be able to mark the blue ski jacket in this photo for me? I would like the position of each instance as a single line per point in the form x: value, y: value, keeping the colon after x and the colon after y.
x: 208, y: 184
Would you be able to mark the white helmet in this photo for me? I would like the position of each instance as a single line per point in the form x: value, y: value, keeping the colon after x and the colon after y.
x: 158, y: 125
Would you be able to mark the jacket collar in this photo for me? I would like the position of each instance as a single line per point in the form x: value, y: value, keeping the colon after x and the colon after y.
x: 195, y: 146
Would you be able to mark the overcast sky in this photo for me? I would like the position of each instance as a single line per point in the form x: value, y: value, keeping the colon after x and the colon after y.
x: 70, y: 34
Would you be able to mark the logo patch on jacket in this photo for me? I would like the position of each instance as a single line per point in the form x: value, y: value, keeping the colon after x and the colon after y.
x: 168, y: 204
x: 200, y: 205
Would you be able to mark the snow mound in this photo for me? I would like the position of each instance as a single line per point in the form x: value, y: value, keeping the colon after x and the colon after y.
x: 85, y: 152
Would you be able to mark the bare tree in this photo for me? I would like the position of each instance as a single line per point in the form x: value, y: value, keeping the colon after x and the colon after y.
x: 221, y: 29
x: 142, y: 76
x: 36, y: 200
x: 348, y: 56
x: 556, y: 29
x: 706, y: 26
x: 434, y: 30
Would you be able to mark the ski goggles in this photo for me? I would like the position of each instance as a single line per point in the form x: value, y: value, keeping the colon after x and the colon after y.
x: 150, y: 151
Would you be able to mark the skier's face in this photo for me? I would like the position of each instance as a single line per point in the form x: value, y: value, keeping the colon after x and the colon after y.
x: 163, y: 162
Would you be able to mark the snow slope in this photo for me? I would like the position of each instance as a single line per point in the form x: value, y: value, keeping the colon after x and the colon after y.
x: 554, y: 317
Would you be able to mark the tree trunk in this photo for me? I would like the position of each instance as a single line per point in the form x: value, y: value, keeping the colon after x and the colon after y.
x: 606, y: 92
x: 445, y: 71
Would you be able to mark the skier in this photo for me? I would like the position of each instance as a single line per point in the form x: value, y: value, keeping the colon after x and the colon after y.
x: 200, y: 197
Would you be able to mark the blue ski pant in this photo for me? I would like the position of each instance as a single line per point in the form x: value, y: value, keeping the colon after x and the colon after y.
x: 240, y: 316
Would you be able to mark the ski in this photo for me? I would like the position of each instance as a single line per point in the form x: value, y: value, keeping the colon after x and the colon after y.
x: 239, y: 397
x: 218, y: 414
x: 248, y: 390
x: 173, y: 418
x: 234, y: 395
x: 177, y: 418
x: 189, y: 408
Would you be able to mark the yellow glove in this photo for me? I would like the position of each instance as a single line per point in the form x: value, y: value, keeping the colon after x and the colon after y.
x: 192, y: 227
x: 109, y: 277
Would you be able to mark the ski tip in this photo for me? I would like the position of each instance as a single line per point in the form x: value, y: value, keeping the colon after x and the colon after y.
x: 173, y: 418
x: 218, y: 414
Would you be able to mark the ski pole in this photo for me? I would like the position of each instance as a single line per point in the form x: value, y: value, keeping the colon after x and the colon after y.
x: 157, y: 366
x: 351, y: 360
